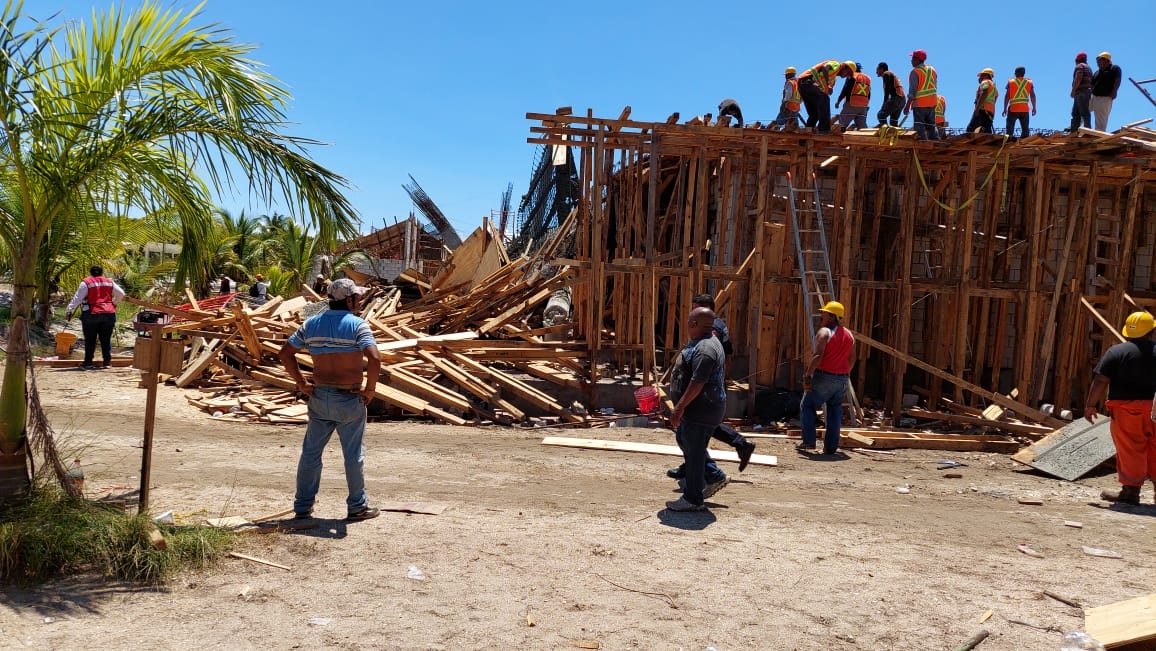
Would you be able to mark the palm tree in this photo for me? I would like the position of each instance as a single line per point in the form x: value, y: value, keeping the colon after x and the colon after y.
x: 139, y: 112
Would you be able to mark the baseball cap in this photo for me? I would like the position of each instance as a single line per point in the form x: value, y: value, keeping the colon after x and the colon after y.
x: 1081, y: 57
x: 1107, y: 56
x: 919, y: 54
x: 343, y: 288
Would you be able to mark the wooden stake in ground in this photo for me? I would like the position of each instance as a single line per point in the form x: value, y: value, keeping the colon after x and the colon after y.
x: 974, y: 640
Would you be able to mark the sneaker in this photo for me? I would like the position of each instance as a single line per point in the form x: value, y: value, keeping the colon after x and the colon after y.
x: 806, y: 449
x: 681, y: 504
x: 677, y: 473
x: 303, y: 515
x: 745, y: 453
x: 830, y: 451
x: 87, y: 367
x: 366, y: 513
x: 714, y: 487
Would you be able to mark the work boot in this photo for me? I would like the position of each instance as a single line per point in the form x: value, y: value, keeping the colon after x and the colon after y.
x: 1126, y: 495
x: 745, y: 451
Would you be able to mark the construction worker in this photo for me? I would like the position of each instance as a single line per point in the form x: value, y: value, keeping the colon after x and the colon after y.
x: 985, y: 96
x: 1105, y: 83
x: 1018, y: 91
x: 815, y: 86
x: 940, y: 116
x: 791, y: 103
x: 857, y: 95
x: 1081, y: 94
x: 827, y: 379
x: 924, y: 83
x: 1127, y: 375
x: 731, y: 108
x: 893, y: 96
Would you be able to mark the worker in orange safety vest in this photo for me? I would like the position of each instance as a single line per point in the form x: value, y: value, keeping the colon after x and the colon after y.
x: 791, y: 103
x: 985, y: 96
x: 815, y: 86
x: 1017, y: 93
x: 941, y: 116
x: 857, y: 95
x: 924, y: 84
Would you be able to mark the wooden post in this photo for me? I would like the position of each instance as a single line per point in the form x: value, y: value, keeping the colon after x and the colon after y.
x: 904, y: 296
x: 146, y: 460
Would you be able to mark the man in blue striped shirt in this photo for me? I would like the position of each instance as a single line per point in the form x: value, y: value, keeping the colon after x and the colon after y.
x: 337, y: 340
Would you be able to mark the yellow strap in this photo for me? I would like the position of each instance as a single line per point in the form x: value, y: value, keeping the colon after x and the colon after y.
x: 965, y: 204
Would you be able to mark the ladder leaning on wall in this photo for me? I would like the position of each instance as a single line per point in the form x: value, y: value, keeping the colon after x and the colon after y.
x: 814, y: 263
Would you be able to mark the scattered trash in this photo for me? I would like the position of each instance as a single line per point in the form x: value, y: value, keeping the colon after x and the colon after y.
x: 944, y: 465
x: 986, y: 616
x: 49, y: 620
x: 1029, y: 551
x: 415, y: 573
x: 1073, y: 524
x: 244, y: 592
x: 1102, y: 553
x: 904, y: 489
x: 952, y: 475
x: 165, y: 518
x: 1080, y: 641
x: 320, y: 621
x: 1030, y: 501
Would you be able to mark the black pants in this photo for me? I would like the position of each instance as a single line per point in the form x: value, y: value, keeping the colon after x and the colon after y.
x: 728, y: 435
x: 818, y: 106
x: 97, y: 325
x: 891, y: 110
x: 1017, y: 116
x: 980, y: 119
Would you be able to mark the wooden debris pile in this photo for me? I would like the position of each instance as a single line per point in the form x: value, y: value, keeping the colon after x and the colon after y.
x: 458, y: 354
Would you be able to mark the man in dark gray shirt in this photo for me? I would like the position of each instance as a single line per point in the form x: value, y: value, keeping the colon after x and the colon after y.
x: 697, y: 389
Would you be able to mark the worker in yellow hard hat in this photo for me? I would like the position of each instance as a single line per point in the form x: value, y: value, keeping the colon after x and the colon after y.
x: 827, y: 379
x: 815, y: 86
x: 1124, y: 375
x: 789, y: 116
x: 1105, y: 83
x: 855, y: 97
x: 985, y: 96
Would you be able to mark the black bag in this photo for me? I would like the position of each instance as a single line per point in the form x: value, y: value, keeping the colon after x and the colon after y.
x: 254, y: 290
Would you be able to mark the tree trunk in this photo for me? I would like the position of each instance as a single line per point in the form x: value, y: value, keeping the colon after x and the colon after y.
x: 15, y: 467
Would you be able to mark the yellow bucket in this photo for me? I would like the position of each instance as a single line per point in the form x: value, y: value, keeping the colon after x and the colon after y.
x: 64, y: 341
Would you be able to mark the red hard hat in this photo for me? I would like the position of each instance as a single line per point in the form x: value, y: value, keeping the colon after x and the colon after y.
x: 919, y: 54
x: 1082, y: 57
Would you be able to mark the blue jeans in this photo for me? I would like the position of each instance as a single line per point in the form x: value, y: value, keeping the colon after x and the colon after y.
x: 826, y: 390
x: 1082, y: 109
x: 786, y: 115
x: 924, y: 117
x: 330, y: 409
x: 693, y: 438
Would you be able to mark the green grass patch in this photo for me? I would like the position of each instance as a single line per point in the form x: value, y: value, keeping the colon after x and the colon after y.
x: 51, y: 535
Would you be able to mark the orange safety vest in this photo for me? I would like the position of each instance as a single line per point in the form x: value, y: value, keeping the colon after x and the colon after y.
x: 1019, y: 91
x: 823, y: 74
x: 940, y: 109
x: 99, y: 296
x: 794, y: 100
x: 861, y: 91
x: 926, y: 82
x: 987, y: 94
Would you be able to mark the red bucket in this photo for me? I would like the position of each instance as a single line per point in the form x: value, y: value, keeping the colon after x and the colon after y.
x: 647, y: 398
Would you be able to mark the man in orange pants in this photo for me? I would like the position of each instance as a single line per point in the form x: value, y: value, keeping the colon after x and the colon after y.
x: 1127, y: 374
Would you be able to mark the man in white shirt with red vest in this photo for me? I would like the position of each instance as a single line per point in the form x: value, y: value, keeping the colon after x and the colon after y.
x: 826, y: 380
x: 97, y: 297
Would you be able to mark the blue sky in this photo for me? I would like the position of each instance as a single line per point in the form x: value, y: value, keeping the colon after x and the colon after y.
x: 440, y: 89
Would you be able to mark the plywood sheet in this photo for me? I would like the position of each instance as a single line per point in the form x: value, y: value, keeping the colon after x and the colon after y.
x: 1071, y: 451
x: 1123, y: 622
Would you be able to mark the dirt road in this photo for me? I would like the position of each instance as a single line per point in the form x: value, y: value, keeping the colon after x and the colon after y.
x: 551, y: 548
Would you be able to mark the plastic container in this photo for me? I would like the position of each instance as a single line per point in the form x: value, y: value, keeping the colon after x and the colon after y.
x: 647, y: 398
x: 64, y: 341
x: 75, y: 476
x: 1080, y: 641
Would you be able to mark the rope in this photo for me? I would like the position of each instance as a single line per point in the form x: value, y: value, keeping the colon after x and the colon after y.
x: 986, y: 180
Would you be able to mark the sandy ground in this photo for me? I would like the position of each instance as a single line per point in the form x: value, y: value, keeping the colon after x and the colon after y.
x: 552, y: 548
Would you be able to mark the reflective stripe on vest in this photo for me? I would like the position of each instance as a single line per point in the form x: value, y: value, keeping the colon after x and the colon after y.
x: 99, y: 296
x: 861, y: 91
x: 926, y: 83
x: 1019, y: 92
x: 794, y: 100
x: 988, y: 94
x: 940, y: 109
x: 823, y: 74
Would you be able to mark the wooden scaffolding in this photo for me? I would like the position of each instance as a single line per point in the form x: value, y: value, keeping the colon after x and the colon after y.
x: 970, y: 268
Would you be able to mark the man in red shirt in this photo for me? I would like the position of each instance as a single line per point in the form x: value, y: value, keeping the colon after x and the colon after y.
x: 826, y: 380
x: 97, y: 297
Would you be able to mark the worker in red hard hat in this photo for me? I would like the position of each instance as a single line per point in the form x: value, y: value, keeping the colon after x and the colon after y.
x: 815, y: 86
x: 1081, y: 94
x: 923, y: 82
x: 985, y: 96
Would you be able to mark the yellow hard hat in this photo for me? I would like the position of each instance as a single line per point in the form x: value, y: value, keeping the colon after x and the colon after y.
x: 1107, y: 56
x: 790, y: 70
x: 1138, y: 325
x: 986, y: 71
x: 850, y: 65
x: 836, y: 308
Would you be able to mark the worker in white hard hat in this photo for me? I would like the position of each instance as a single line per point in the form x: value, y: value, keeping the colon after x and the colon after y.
x: 1125, y: 376
x: 789, y: 116
x: 827, y: 380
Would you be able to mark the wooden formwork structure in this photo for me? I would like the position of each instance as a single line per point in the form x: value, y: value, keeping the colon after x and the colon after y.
x: 970, y: 268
